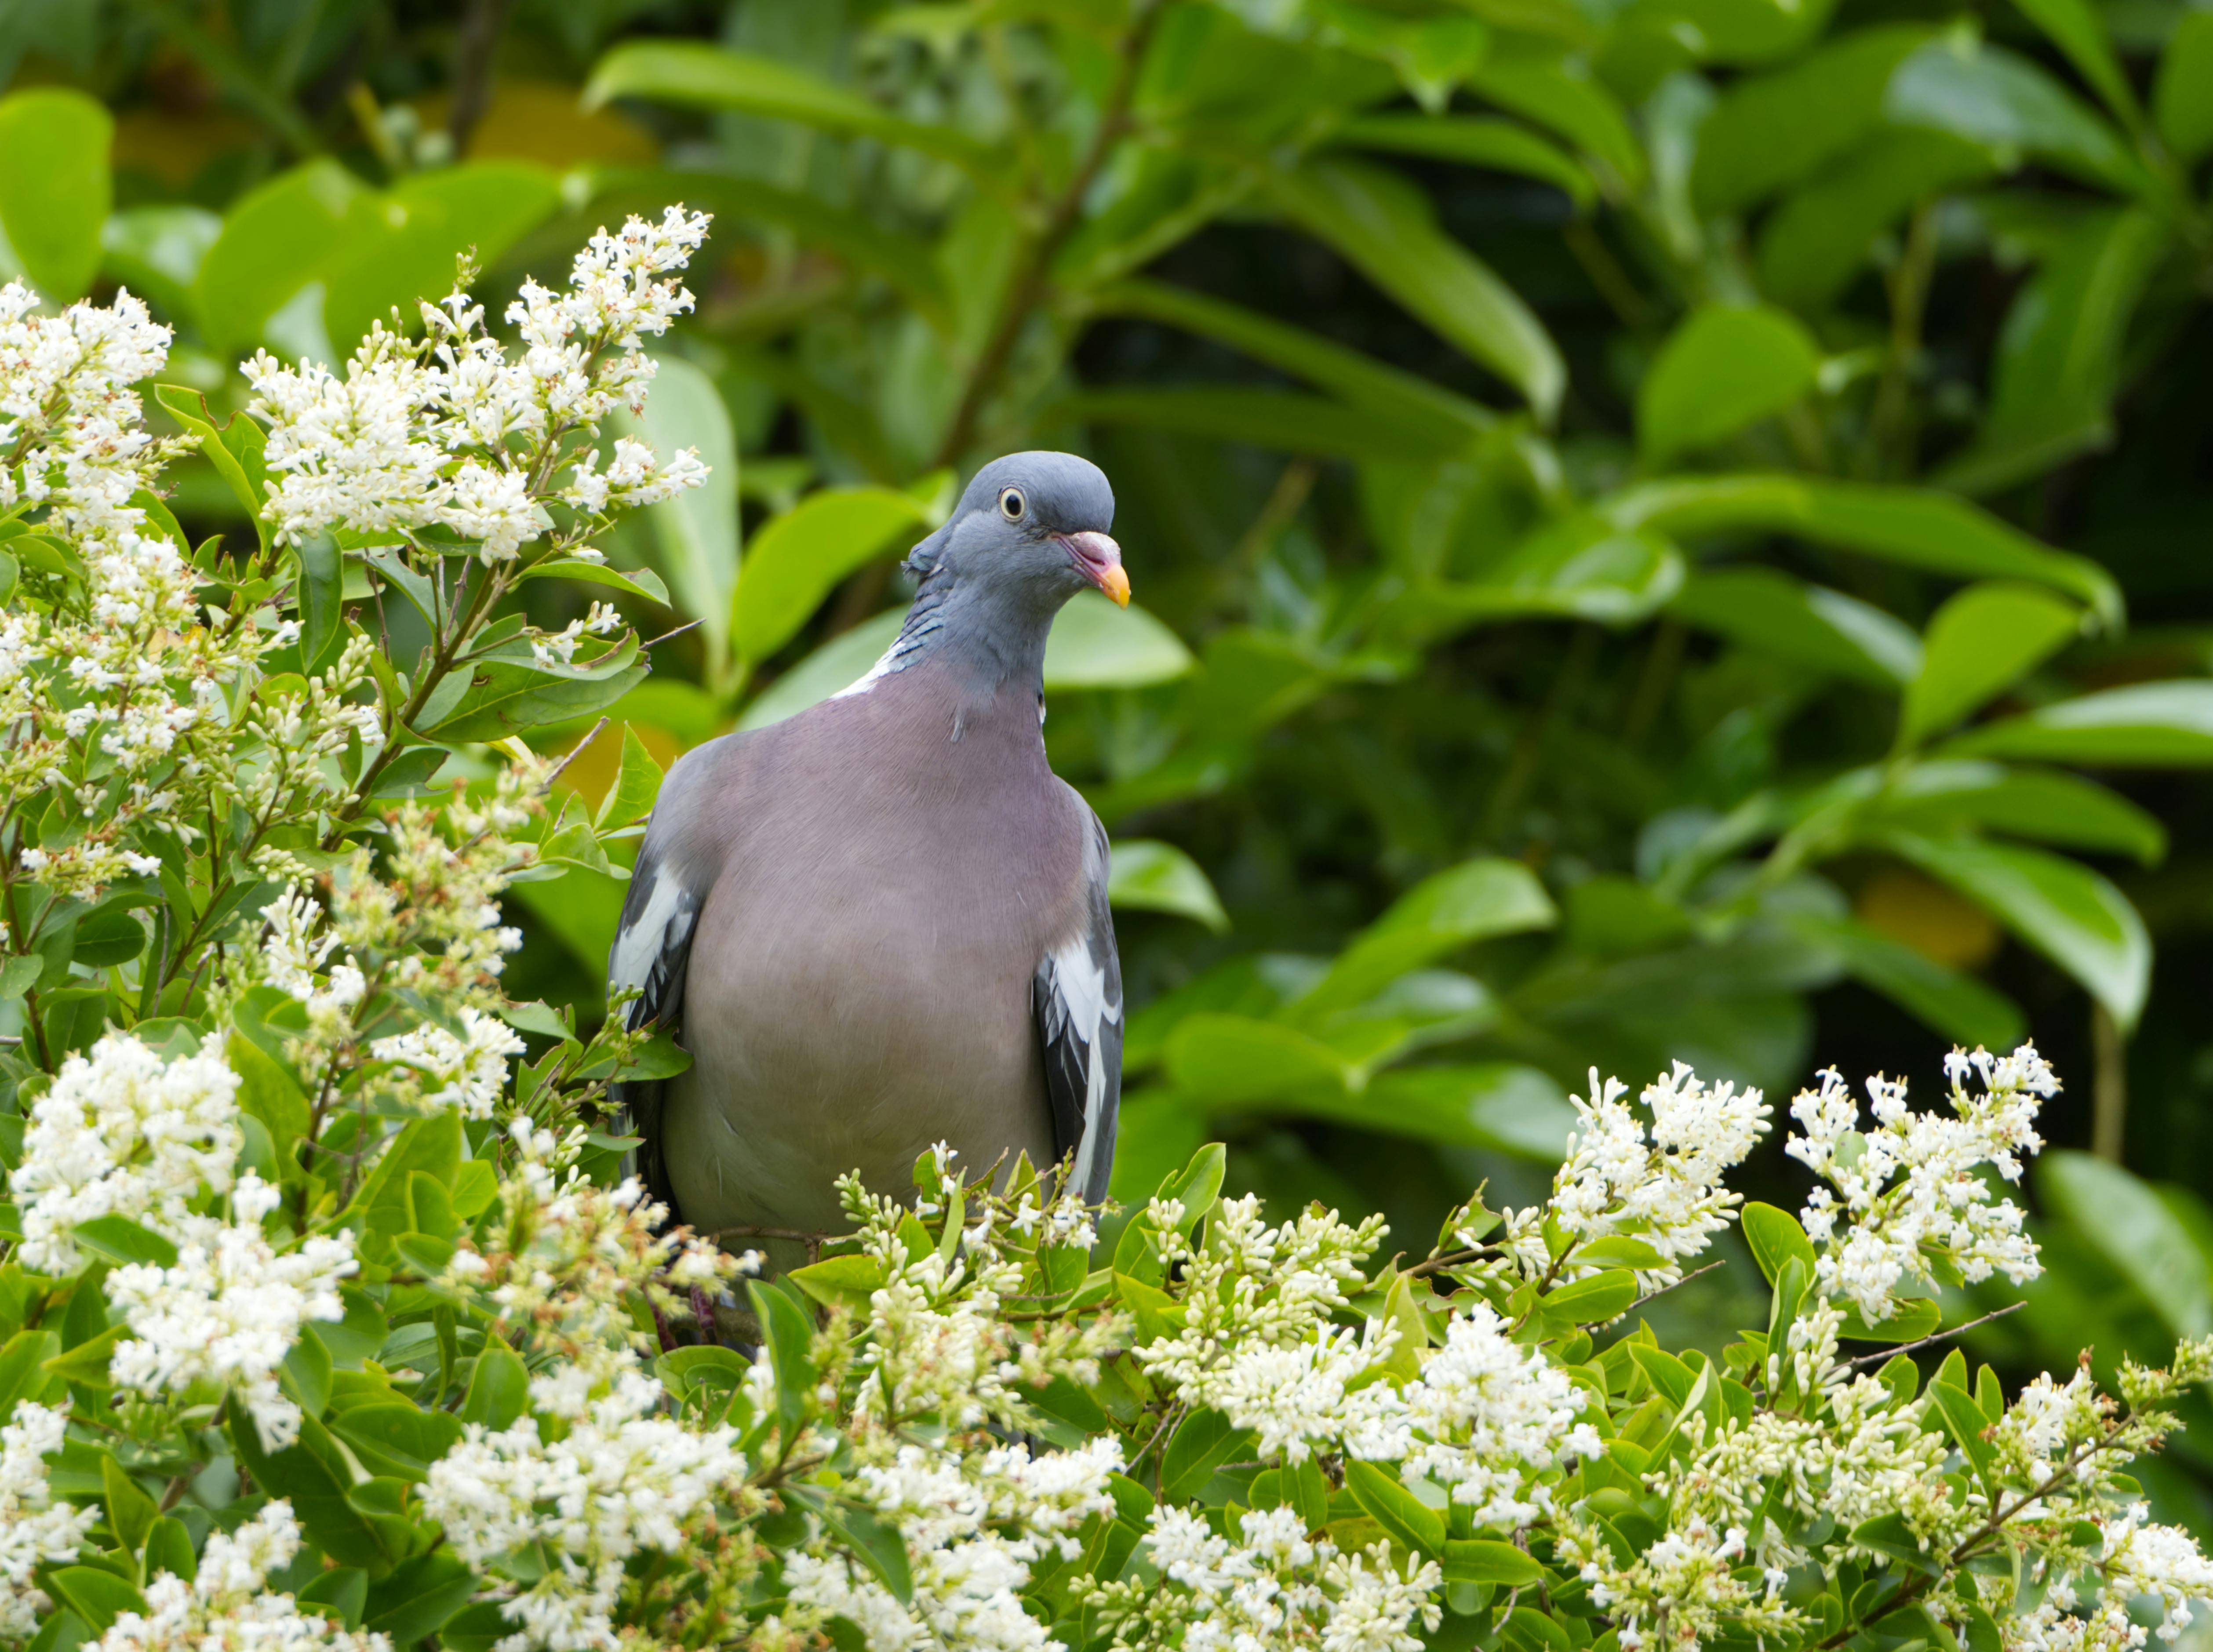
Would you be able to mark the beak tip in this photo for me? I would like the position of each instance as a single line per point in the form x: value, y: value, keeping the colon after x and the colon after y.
x: 1116, y: 584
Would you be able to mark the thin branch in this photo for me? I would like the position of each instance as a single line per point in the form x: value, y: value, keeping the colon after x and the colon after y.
x: 1026, y: 285
x: 1886, y: 1354
x: 1664, y: 1289
x: 678, y: 631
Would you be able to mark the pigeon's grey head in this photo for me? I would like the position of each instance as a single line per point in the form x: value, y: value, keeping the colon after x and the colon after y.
x: 1029, y: 532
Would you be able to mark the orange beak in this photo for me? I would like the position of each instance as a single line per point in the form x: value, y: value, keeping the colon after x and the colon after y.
x: 1098, y: 559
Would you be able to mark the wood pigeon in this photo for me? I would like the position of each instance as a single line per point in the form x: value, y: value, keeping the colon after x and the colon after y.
x: 882, y: 924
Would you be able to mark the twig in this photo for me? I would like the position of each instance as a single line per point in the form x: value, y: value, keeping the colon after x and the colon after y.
x: 1934, y: 1337
x: 574, y: 753
x: 678, y: 631
x: 753, y: 1230
x: 1450, y: 1259
x: 1664, y: 1289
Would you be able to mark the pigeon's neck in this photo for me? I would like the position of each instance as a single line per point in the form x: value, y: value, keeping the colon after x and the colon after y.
x: 981, y: 647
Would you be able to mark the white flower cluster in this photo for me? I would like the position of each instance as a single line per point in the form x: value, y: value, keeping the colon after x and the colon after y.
x: 1273, y: 1586
x: 33, y: 1527
x: 1666, y: 1191
x: 1909, y: 1186
x: 617, y: 1481
x: 229, y: 1310
x: 67, y: 410
x: 968, y: 1576
x: 450, y: 433
x: 1257, y: 1342
x: 227, y: 1606
x: 1486, y: 1419
x: 467, y: 1070
x: 123, y: 1133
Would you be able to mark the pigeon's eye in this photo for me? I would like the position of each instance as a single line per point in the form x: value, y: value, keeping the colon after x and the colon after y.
x: 1012, y: 505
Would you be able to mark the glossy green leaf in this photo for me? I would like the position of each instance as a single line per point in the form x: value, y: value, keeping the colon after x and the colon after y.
x: 55, y: 187
x: 130, y: 1512
x: 1498, y: 1105
x: 1560, y: 93
x: 1395, y: 1508
x: 837, y: 664
x: 1096, y: 644
x: 1224, y: 1060
x: 1918, y: 528
x: 510, y: 692
x: 1818, y: 240
x: 399, y: 247
x: 2079, y: 31
x: 1474, y: 141
x: 1991, y: 96
x: 1474, y: 901
x: 499, y: 1389
x: 1811, y: 625
x: 2059, y: 357
x: 1980, y: 642
x: 155, y: 251
x: 1289, y: 421
x: 418, y: 1597
x: 119, y: 1240
x: 1956, y: 1005
x: 789, y: 1336
x: 2060, y: 907
x: 696, y: 533
x: 2166, y: 725
x: 97, y: 1597
x: 2182, y: 92
x: 1770, y: 130
x: 2123, y: 1218
x: 1582, y: 567
x: 1384, y: 228
x: 2043, y: 805
x: 799, y: 557
x: 1775, y: 1238
x: 1201, y: 1440
x: 1722, y: 370
x: 697, y: 75
x: 637, y: 783
x: 276, y: 239
x: 1149, y: 875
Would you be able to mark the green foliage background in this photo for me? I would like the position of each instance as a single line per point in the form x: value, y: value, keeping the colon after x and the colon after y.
x: 1670, y: 528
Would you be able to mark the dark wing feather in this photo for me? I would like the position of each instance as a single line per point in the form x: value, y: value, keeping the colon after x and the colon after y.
x: 652, y: 951
x: 1077, y: 994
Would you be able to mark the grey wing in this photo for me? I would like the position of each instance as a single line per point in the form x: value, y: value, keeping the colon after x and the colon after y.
x: 1076, y: 996
x: 652, y: 952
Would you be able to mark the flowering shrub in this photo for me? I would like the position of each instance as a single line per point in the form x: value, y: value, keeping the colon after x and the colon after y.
x: 331, y: 1321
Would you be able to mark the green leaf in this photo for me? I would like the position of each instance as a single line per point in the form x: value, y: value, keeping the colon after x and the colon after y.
x: 55, y: 187
x: 1889, y: 1534
x: 1593, y: 1301
x: 1980, y: 642
x: 1289, y: 421
x: 509, y: 691
x: 788, y: 1335
x: 1991, y: 96
x: 2064, y: 910
x: 637, y: 783
x: 1223, y: 1060
x: 2168, y: 725
x: 2046, y: 806
x: 431, y: 1145
x: 1811, y: 625
x: 275, y: 240
x: 400, y: 1439
x: 23, y: 1360
x: 1436, y: 418
x: 1384, y: 228
x: 2060, y: 353
x: 1476, y: 900
x: 1723, y: 368
x: 1094, y: 644
x: 267, y: 1092
x: 839, y: 663
x: 877, y: 1542
x: 1957, y: 1006
x: 1910, y: 1320
x: 634, y: 581
x: 19, y: 975
x: 400, y: 247
x: 1395, y: 1508
x: 1819, y: 240
x: 1917, y: 528
x: 1580, y: 567
x: 169, y: 1549
x: 86, y: 1363
x: 1770, y: 130
x: 2076, y: 30
x: 2123, y: 1218
x: 1474, y: 141
x: 1560, y: 93
x: 62, y: 1632
x: 234, y: 449
x: 130, y: 1512
x: 97, y: 1597
x: 799, y: 557
x: 2182, y: 93
x: 155, y: 251
x: 1775, y: 1238
x: 499, y: 1389
x: 1484, y: 1560
x: 703, y: 77
x: 343, y: 1592
x: 1201, y: 1442
x: 696, y: 533
x: 847, y: 1281
x: 119, y: 1239
x: 1501, y: 1106
x: 1149, y: 875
